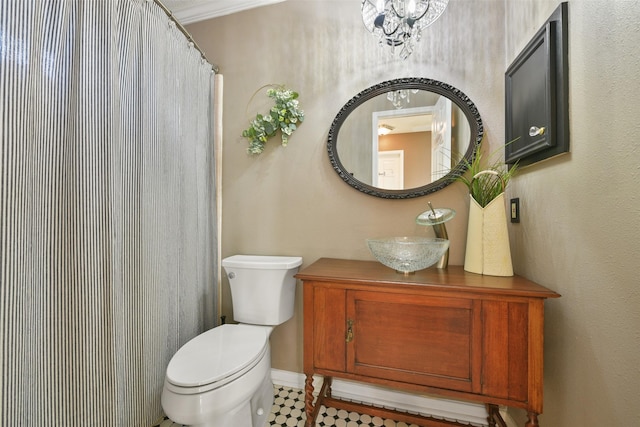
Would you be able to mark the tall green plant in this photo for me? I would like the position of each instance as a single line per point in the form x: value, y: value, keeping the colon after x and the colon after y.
x: 484, y: 187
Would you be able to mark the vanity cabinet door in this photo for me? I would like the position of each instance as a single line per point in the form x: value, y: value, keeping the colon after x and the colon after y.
x: 512, y: 367
x: 416, y: 339
x: 328, y: 322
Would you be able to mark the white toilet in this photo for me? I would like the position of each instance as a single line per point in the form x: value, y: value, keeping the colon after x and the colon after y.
x: 222, y: 378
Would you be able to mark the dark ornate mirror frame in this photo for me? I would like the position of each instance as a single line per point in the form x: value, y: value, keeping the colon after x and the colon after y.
x: 455, y: 95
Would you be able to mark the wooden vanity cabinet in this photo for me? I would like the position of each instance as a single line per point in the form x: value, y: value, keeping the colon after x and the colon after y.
x: 440, y: 332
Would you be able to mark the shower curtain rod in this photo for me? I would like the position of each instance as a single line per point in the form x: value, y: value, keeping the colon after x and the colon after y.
x: 186, y: 33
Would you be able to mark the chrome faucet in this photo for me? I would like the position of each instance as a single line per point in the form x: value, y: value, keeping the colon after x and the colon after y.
x: 437, y: 219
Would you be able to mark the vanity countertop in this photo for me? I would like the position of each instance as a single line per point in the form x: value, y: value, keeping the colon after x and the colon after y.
x: 453, y: 278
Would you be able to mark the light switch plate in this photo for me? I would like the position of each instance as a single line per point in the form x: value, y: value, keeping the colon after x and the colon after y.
x: 515, y: 210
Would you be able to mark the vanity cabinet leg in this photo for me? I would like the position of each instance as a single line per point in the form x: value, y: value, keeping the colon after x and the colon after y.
x: 493, y: 416
x: 490, y: 419
x: 328, y: 381
x: 308, y: 401
x: 532, y: 420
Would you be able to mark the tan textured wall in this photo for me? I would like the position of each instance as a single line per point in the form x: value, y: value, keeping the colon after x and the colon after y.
x: 579, y: 232
x: 289, y: 200
x: 580, y: 228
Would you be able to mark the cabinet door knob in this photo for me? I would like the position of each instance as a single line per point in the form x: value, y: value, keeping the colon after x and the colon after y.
x: 535, y: 130
x: 349, y: 334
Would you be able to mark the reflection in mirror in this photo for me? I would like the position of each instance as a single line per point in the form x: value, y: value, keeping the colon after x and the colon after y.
x: 404, y: 138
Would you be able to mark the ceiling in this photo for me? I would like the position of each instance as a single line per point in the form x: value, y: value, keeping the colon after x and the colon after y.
x: 189, y: 11
x: 408, y: 124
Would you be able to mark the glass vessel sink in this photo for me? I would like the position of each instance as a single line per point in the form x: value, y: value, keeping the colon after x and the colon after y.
x: 408, y: 254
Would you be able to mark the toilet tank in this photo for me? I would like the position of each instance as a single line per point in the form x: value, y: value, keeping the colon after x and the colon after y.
x: 263, y: 288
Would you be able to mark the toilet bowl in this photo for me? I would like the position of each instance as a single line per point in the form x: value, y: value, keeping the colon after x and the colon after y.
x: 222, y: 377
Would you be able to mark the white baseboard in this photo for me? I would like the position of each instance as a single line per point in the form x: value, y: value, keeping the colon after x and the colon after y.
x: 470, y: 413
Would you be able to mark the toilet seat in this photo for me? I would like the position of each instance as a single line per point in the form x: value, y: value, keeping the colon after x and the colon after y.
x: 216, y: 357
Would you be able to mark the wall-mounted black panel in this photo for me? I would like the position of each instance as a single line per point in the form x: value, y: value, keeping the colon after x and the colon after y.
x: 536, y: 89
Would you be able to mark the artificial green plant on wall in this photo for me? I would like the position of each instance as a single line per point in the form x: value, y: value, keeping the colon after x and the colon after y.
x: 284, y: 116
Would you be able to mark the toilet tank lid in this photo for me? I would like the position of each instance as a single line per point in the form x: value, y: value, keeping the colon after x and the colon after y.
x: 264, y: 262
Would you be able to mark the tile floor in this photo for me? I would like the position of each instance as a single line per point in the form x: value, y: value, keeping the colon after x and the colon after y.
x: 288, y: 411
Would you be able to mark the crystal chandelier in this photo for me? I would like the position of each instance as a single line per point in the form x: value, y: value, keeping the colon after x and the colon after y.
x: 400, y: 98
x: 399, y: 23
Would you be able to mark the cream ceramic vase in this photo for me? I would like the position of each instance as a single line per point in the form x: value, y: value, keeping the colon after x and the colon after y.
x: 488, y: 251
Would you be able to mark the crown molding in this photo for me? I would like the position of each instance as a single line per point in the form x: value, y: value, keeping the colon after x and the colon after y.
x: 190, y: 11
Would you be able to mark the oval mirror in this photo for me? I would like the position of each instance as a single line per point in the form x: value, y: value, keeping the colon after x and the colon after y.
x: 404, y: 138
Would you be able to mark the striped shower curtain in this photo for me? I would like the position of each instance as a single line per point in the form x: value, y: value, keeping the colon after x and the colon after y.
x: 108, y: 215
